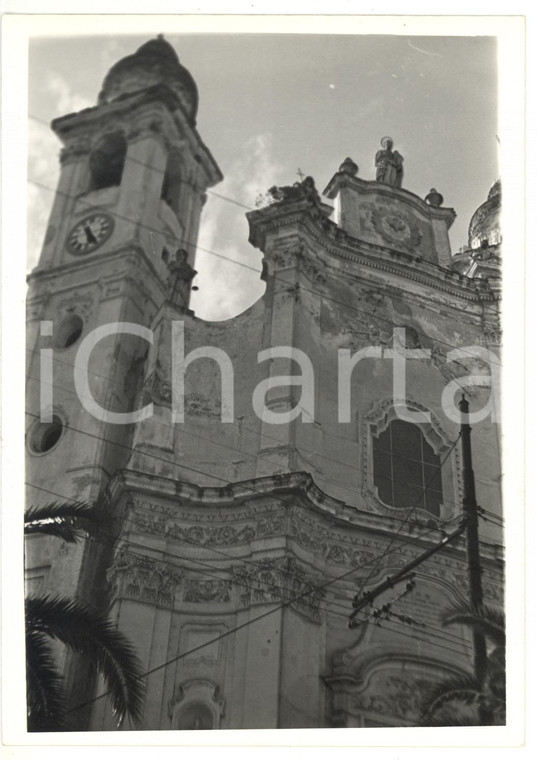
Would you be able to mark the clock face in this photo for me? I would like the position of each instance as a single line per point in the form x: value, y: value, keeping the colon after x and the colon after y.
x: 88, y: 234
x: 396, y: 227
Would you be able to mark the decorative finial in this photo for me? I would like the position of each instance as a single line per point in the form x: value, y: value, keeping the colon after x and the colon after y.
x: 433, y: 198
x: 160, y: 36
x: 349, y: 167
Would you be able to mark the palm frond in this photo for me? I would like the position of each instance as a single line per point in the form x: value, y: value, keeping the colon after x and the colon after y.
x: 463, y: 688
x: 44, y: 690
x: 105, y: 649
x: 448, y: 718
x: 489, y: 621
x: 66, y: 520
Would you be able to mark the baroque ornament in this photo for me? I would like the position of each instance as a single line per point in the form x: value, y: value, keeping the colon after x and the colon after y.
x: 207, y: 591
x: 396, y: 227
x: 143, y: 579
x: 280, y: 580
x: 78, y: 303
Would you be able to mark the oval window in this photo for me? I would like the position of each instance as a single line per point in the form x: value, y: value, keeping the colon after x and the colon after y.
x: 45, y: 435
x: 69, y: 331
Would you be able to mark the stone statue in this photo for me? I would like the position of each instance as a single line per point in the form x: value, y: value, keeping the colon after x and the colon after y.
x: 389, y: 164
x: 304, y: 190
x: 180, y: 276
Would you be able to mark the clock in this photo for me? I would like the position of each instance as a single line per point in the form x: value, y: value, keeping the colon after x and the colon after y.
x: 396, y: 227
x: 89, y: 233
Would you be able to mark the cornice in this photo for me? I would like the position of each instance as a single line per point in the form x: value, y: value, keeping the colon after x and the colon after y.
x: 371, y: 256
x: 366, y: 187
x: 159, y: 94
x: 44, y: 274
x: 294, y: 483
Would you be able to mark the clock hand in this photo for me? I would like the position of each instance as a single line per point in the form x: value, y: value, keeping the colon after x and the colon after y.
x: 90, y: 237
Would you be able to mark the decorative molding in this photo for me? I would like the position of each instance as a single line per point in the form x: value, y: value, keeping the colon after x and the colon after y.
x: 492, y: 333
x: 143, y: 579
x: 376, y: 421
x: 328, y: 543
x: 277, y: 580
x: 369, y: 255
x: 80, y: 146
x: 165, y: 503
x: 194, y: 701
x: 199, y: 405
x: 389, y: 690
x: 396, y: 227
x: 77, y: 303
x: 206, y: 591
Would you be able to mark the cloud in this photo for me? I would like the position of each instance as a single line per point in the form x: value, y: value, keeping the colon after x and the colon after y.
x: 43, y: 161
x: 43, y: 174
x: 65, y: 99
x: 228, y: 282
x: 229, y: 286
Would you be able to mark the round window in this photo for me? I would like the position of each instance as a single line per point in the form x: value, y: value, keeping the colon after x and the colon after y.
x: 45, y: 435
x: 69, y: 331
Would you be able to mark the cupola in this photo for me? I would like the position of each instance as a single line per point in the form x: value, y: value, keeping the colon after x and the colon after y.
x: 484, y: 229
x: 155, y: 62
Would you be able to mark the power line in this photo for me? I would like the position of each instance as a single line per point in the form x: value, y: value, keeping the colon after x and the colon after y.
x: 386, y: 552
x: 242, y: 452
x: 398, y: 531
x: 254, y: 269
x: 225, y: 634
x: 128, y: 543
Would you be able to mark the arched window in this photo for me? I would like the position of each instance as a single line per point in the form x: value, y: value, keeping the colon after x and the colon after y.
x: 406, y: 470
x: 171, y: 183
x: 107, y: 161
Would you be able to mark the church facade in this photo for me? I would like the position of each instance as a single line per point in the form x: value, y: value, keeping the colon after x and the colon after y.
x: 264, y: 470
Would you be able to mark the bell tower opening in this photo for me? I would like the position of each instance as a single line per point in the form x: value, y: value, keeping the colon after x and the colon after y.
x: 171, y: 185
x: 107, y: 161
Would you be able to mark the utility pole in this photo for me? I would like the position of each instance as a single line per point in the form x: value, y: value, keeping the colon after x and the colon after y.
x: 469, y: 504
x: 368, y: 596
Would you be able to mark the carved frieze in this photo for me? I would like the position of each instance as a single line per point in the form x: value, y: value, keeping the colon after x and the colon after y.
x: 199, y: 405
x: 280, y: 580
x: 207, y: 591
x: 143, y: 579
x: 77, y: 303
x: 394, y: 697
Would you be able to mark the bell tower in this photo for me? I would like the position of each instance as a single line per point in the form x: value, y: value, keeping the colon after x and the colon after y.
x: 126, y: 214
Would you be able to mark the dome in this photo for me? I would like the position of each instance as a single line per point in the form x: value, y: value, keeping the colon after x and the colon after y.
x: 156, y: 62
x: 485, y: 223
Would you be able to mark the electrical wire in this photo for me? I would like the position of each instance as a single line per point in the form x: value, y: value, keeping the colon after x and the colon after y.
x: 354, y: 569
x: 128, y: 543
x: 325, y: 297
x: 227, y: 446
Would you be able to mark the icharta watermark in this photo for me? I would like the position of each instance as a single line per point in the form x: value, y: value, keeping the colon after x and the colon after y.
x: 304, y: 409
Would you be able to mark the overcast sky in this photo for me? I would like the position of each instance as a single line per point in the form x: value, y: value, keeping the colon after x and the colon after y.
x: 273, y: 104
